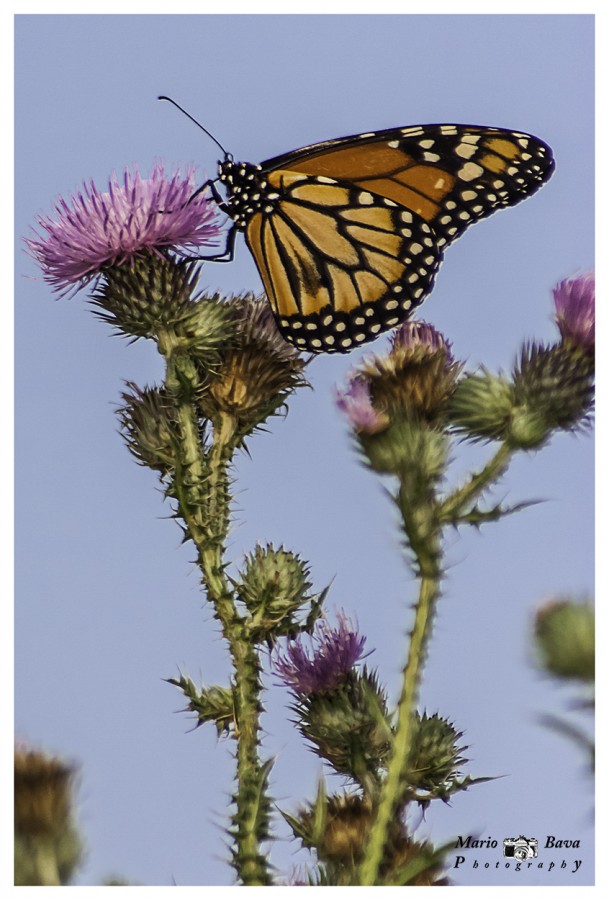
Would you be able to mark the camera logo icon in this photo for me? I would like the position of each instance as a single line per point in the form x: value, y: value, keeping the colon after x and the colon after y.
x: 520, y: 847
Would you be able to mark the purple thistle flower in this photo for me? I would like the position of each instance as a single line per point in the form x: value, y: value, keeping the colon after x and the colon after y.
x: 574, y: 301
x: 355, y: 402
x: 95, y: 229
x: 335, y: 651
x: 420, y: 335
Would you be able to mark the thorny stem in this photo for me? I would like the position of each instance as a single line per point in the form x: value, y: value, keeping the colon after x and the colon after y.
x: 455, y: 504
x: 423, y: 519
x: 201, y: 486
x: 393, y: 786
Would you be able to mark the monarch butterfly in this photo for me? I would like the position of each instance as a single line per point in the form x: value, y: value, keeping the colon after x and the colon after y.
x: 348, y: 234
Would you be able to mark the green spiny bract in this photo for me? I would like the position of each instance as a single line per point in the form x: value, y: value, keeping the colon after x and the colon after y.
x: 149, y: 293
x: 564, y: 633
x: 148, y: 425
x: 213, y: 704
x: 205, y: 330
x: 348, y: 726
x: 435, y: 755
x: 481, y: 405
x: 407, y: 445
x: 274, y: 586
x: 553, y: 389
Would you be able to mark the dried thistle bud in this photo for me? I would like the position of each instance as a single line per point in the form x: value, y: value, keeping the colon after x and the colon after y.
x: 47, y: 846
x: 337, y: 827
x: 553, y: 389
x: 148, y: 425
x: 43, y: 792
x: 256, y: 373
x: 416, y: 378
x: 435, y: 755
x: 481, y: 405
x: 414, y: 864
x: 274, y: 585
x: 564, y: 634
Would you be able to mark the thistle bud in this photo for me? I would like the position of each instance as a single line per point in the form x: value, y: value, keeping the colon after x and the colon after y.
x: 147, y: 423
x: 273, y: 585
x: 415, y: 864
x: 47, y: 846
x: 150, y: 293
x: 553, y: 389
x: 336, y: 826
x: 564, y: 633
x: 205, y: 328
x: 408, y: 447
x: 481, y: 405
x: 256, y: 373
x: 435, y: 755
x: 349, y: 726
x: 416, y: 378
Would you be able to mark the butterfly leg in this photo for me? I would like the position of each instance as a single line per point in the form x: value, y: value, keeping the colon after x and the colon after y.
x: 227, y: 256
x: 211, y: 184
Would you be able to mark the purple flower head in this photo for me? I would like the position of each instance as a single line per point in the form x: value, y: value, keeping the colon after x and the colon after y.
x: 355, y: 402
x: 97, y: 228
x: 574, y: 302
x: 335, y: 651
x: 420, y: 335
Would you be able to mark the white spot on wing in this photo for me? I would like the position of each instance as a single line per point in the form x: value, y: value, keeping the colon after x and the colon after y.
x: 470, y: 171
x: 466, y: 151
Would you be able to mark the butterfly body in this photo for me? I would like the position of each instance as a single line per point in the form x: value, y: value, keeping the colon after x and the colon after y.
x: 348, y: 234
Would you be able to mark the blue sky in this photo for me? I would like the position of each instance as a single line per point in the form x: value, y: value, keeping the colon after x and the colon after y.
x: 108, y: 602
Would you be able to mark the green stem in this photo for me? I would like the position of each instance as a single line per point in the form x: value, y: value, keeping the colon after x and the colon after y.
x: 456, y: 502
x: 423, y: 519
x: 201, y: 486
x: 393, y: 786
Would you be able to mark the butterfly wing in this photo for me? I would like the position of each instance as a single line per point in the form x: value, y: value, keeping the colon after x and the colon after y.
x: 449, y: 175
x: 340, y: 264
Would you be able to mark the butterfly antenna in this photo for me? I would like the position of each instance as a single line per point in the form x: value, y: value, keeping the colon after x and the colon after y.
x: 192, y: 119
